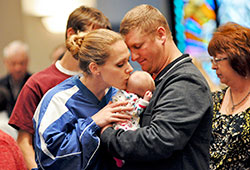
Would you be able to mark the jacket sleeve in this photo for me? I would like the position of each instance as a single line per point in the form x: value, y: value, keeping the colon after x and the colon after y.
x: 141, y: 104
x: 61, y: 140
x: 175, y: 111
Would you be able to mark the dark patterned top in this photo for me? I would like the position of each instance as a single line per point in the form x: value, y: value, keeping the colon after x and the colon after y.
x: 230, y: 144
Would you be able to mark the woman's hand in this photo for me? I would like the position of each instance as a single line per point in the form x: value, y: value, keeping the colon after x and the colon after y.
x: 112, y: 112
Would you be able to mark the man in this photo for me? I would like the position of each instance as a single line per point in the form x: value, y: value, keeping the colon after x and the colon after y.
x: 81, y: 19
x: 176, y: 125
x: 16, y: 60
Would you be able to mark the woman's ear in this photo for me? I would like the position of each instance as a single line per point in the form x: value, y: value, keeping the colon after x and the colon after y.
x: 161, y: 34
x: 94, y: 68
x: 70, y: 31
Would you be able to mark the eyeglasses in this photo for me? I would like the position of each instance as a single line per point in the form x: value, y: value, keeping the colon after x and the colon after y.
x: 216, y: 60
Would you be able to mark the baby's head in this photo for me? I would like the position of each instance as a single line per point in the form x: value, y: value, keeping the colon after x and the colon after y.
x: 139, y: 82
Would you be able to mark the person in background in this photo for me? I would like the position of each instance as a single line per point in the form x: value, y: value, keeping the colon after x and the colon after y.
x: 70, y: 116
x: 81, y: 19
x: 230, y: 145
x: 11, y: 157
x: 175, y: 127
x: 4, y: 119
x: 16, y: 59
x: 58, y: 53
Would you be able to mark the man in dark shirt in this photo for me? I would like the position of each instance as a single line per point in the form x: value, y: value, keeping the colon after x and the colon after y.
x: 16, y: 61
x: 176, y: 126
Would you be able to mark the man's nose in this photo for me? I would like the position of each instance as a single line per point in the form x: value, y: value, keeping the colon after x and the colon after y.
x: 18, y: 67
x: 134, y: 56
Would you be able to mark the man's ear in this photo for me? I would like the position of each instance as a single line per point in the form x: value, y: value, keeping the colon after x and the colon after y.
x: 94, y: 68
x: 161, y: 34
x: 70, y: 31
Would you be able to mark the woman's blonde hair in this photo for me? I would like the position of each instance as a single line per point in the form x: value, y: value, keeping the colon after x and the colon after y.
x: 92, y: 47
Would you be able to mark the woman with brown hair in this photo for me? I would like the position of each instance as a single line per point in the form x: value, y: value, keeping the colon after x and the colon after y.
x: 230, y: 145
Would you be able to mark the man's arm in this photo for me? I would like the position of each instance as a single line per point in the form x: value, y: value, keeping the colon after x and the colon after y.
x: 21, y: 119
x: 178, y: 109
x: 24, y: 141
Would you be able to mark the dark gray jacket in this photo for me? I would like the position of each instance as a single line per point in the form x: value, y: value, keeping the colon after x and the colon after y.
x: 175, y: 127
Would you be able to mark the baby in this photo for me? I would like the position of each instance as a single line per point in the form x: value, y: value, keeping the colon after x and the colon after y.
x: 140, y: 84
x: 139, y: 91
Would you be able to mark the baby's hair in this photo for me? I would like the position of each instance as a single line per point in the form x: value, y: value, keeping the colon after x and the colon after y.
x: 139, y: 82
x: 92, y: 47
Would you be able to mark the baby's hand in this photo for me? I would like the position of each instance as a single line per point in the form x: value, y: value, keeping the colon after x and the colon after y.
x: 147, y: 95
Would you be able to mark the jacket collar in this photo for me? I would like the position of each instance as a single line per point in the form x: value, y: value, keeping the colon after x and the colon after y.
x: 169, y: 67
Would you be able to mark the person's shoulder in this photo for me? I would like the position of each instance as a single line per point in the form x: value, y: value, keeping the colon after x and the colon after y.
x: 219, y: 94
x: 4, y: 80
x: 11, y: 155
x: 5, y: 138
x: 66, y: 84
x: 60, y: 92
x: 28, y: 74
x: 45, y: 71
x: 48, y: 73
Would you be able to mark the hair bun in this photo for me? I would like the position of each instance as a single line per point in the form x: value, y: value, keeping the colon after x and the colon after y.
x: 74, y: 43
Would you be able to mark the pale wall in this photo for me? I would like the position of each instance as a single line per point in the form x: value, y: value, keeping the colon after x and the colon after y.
x: 16, y: 25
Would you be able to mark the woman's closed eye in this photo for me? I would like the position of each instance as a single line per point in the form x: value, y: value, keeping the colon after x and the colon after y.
x: 137, y: 46
x: 120, y: 65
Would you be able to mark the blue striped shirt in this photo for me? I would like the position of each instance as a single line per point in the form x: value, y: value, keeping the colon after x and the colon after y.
x: 65, y: 134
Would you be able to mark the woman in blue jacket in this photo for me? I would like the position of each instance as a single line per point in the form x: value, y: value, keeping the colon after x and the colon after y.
x: 70, y: 115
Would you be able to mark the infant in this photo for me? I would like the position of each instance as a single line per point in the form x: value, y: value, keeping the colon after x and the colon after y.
x: 140, y: 84
x: 139, y: 91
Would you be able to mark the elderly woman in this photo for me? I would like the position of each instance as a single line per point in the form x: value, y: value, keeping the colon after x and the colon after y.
x: 230, y: 145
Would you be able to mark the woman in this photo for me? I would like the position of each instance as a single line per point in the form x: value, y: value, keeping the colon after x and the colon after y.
x: 230, y: 145
x: 70, y: 116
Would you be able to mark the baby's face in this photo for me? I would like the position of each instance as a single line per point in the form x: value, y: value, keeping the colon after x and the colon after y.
x: 136, y: 90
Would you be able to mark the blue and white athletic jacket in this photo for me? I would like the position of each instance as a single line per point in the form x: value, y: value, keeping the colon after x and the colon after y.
x: 65, y: 134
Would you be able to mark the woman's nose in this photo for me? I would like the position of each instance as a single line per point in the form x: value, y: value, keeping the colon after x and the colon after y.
x: 129, y: 69
x: 214, y: 66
